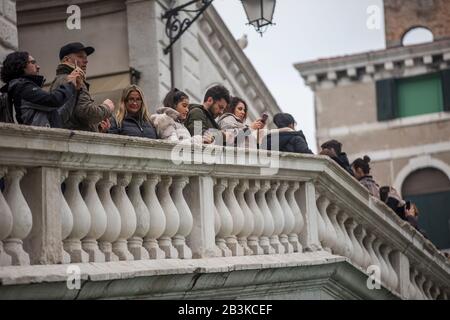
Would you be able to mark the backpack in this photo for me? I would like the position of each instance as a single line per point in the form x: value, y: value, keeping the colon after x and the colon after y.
x: 6, y: 109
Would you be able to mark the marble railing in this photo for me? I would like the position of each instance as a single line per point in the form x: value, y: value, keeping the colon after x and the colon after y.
x: 73, y: 197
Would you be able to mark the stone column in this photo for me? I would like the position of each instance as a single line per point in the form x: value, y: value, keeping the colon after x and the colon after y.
x: 42, y: 189
x: 310, y: 235
x: 6, y: 223
x: 8, y: 24
x: 200, y: 195
x: 145, y: 50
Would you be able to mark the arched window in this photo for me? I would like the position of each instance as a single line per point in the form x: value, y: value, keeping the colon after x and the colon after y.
x: 417, y: 35
x: 429, y: 189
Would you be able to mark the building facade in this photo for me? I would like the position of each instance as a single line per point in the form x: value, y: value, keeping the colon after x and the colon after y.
x: 129, y: 38
x: 393, y: 105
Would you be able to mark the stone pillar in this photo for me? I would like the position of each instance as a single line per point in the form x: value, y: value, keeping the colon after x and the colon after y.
x: 200, y: 196
x: 8, y: 26
x: 145, y: 51
x: 401, y: 266
x: 307, y: 200
x: 41, y: 188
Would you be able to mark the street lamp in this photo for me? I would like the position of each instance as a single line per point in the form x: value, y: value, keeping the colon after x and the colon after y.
x: 259, y: 13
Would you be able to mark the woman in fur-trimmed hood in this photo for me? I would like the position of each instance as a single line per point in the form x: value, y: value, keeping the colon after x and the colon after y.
x: 169, y: 119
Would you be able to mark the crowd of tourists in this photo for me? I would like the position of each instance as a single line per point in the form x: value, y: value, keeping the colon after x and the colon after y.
x: 218, y: 119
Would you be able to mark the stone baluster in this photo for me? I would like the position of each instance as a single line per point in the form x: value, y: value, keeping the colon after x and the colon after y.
x: 81, y: 218
x: 237, y: 215
x: 420, y: 284
x: 360, y: 234
x: 435, y: 291
x: 298, y: 216
x: 157, y: 218
x: 320, y: 224
x: 98, y: 217
x: 339, y: 244
x: 385, y: 277
x: 186, y: 220
x: 329, y: 237
x: 269, y: 226
x: 357, y: 255
x: 278, y: 218
x: 135, y: 244
x: 392, y: 274
x: 348, y: 246
x: 249, y: 223
x: 217, y: 226
x: 113, y: 219
x: 127, y: 217
x: 6, y: 224
x: 226, y: 220
x: 22, y: 217
x: 172, y: 218
x: 414, y: 291
x: 289, y: 219
x: 427, y: 289
x: 258, y: 218
x: 369, y: 245
x: 66, y: 219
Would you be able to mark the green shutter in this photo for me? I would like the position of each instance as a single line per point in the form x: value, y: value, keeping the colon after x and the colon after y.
x: 386, y: 99
x: 419, y: 95
x: 445, y: 77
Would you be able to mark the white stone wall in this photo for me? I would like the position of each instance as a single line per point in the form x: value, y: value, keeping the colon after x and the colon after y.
x: 8, y: 28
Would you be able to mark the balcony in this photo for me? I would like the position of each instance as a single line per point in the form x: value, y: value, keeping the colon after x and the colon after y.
x: 142, y: 219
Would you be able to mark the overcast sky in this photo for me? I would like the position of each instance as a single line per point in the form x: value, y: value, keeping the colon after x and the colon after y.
x: 305, y: 30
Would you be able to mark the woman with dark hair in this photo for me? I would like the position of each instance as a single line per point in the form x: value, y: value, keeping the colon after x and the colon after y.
x: 361, y: 170
x: 33, y: 105
x: 233, y: 121
x: 169, y: 119
x: 286, y: 138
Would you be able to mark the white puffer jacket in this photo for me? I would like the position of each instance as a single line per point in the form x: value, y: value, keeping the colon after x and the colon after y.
x: 168, y: 127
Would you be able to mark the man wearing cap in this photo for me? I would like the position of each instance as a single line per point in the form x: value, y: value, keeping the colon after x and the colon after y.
x: 87, y: 115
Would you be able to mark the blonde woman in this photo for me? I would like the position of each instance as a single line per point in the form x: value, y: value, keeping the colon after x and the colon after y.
x: 133, y: 118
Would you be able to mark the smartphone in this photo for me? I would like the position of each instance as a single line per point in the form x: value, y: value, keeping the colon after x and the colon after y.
x: 264, y: 117
x: 408, y: 205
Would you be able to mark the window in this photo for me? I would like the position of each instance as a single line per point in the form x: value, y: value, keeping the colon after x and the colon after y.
x: 417, y: 36
x: 429, y: 189
x: 419, y: 95
x: 406, y: 97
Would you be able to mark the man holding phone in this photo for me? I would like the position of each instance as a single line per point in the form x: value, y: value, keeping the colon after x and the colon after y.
x: 87, y: 115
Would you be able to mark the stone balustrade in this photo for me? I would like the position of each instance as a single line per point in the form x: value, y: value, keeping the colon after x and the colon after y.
x: 73, y: 197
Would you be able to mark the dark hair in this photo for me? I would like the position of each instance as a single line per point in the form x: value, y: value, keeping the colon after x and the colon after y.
x: 14, y: 66
x: 218, y: 92
x: 362, y: 164
x: 333, y: 144
x: 233, y: 104
x: 283, y: 120
x: 384, y: 192
x: 174, y: 97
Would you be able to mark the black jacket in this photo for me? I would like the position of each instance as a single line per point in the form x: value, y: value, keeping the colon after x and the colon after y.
x: 133, y: 127
x: 342, y: 160
x: 35, y: 106
x: 294, y: 141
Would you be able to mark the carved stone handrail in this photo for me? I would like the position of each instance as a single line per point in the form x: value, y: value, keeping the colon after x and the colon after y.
x: 128, y: 199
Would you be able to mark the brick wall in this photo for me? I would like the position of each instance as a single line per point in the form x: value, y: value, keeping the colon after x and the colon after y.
x: 8, y: 29
x: 402, y: 15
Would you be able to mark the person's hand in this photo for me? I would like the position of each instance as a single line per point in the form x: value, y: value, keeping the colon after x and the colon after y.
x: 104, y: 125
x: 109, y: 104
x: 257, y: 125
x: 207, y: 139
x: 328, y: 152
x: 409, y: 212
